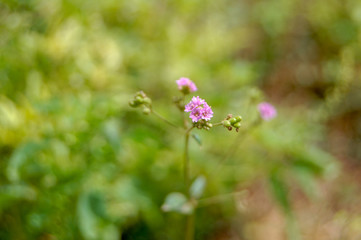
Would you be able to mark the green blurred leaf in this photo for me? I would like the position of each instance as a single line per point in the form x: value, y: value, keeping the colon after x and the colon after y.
x: 92, y: 217
x: 86, y: 218
x: 177, y: 202
x: 197, y: 188
x: 306, y: 180
x: 197, y: 138
x: 12, y: 192
x: 19, y: 158
x: 280, y: 191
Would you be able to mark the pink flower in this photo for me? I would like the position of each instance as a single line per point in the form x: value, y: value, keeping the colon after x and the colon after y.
x: 194, y: 103
x: 186, y: 86
x: 199, y: 109
x: 267, y: 111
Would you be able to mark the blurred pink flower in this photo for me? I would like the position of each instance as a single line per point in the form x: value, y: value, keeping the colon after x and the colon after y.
x: 186, y: 85
x: 267, y: 111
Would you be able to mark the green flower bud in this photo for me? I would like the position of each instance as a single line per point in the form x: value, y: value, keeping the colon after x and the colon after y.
x: 132, y: 104
x: 226, y: 123
x: 139, y: 99
x: 146, y: 111
x: 237, y: 125
x: 209, y: 125
x: 239, y: 118
x: 147, y: 100
x: 233, y: 120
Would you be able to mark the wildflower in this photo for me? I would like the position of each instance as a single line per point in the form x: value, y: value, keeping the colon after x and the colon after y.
x: 267, y: 111
x: 196, y: 102
x: 199, y: 109
x: 186, y: 86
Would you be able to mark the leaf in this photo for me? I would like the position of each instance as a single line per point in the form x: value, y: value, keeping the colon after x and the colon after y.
x: 197, y: 187
x: 197, y: 138
x: 91, y: 212
x: 86, y: 218
x: 177, y: 202
x: 280, y: 191
x: 306, y: 180
x: 19, y: 158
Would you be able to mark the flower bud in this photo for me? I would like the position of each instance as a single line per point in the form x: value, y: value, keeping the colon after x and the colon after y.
x: 239, y: 118
x: 146, y: 111
x: 132, y: 104
x: 147, y: 100
x: 233, y: 120
x: 209, y: 125
x: 138, y: 99
x: 237, y: 125
x: 226, y: 123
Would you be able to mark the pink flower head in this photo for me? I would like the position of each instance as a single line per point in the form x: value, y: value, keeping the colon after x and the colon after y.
x: 267, y: 111
x: 196, y: 102
x: 199, y: 109
x: 186, y: 86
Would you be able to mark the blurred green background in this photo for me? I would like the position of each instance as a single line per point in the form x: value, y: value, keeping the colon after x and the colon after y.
x: 76, y: 162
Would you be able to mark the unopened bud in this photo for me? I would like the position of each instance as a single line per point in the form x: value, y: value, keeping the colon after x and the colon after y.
x: 146, y: 111
x: 147, y: 100
x: 237, y: 125
x: 233, y: 120
x: 138, y: 99
x: 209, y: 125
x: 226, y: 123
x: 132, y: 103
x: 239, y: 118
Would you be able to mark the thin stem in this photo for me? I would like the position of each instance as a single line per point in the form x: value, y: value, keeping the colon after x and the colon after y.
x: 234, y: 147
x: 189, y: 232
x: 164, y: 119
x: 220, y: 198
x: 185, y: 123
x: 186, y: 159
x: 217, y: 124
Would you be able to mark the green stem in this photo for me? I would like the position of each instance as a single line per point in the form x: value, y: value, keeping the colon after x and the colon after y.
x: 185, y: 123
x: 220, y: 198
x: 234, y: 147
x: 189, y: 232
x: 186, y: 159
x: 164, y: 119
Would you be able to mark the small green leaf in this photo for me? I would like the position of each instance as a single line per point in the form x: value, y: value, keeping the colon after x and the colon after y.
x: 306, y: 180
x: 197, y: 138
x: 280, y: 191
x: 87, y: 219
x: 19, y: 158
x: 177, y: 202
x: 197, y: 187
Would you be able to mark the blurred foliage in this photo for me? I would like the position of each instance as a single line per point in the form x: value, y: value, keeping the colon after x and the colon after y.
x: 78, y: 163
